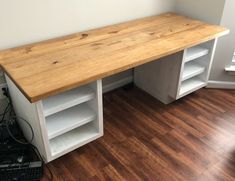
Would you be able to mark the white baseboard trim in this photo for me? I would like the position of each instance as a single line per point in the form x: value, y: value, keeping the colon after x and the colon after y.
x: 116, y: 84
x: 221, y: 85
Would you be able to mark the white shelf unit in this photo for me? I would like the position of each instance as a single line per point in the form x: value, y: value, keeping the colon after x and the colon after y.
x: 195, y: 68
x: 63, y: 122
x: 177, y: 75
x: 195, y: 52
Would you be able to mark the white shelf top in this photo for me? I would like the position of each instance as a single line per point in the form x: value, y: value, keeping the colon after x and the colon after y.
x: 195, y: 52
x: 73, y: 139
x: 190, y: 86
x: 68, y: 119
x: 67, y: 99
x: 192, y: 69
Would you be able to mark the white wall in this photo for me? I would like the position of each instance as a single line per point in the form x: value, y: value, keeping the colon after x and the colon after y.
x: 220, y: 12
x: 27, y: 21
x: 225, y: 47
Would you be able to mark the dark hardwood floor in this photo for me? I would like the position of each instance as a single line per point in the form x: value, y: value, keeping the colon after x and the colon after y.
x: 192, y: 139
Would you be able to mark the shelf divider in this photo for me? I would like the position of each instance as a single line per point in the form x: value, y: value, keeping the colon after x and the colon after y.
x: 192, y: 69
x: 69, y: 119
x: 67, y: 99
x: 190, y: 85
x: 73, y: 139
x: 195, y: 52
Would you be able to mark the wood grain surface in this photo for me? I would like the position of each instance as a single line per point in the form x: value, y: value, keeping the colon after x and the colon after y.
x: 48, y: 68
x: 192, y: 139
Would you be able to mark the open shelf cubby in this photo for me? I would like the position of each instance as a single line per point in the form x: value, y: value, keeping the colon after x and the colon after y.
x: 196, y: 52
x: 67, y: 99
x: 191, y: 85
x: 73, y: 139
x: 69, y: 119
x: 192, y: 69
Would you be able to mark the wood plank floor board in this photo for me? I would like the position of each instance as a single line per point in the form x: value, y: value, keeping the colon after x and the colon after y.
x: 126, y: 172
x: 192, y: 139
x: 149, y: 111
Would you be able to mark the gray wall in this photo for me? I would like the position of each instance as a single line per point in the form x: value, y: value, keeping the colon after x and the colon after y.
x: 27, y: 21
x: 226, y: 46
x: 217, y: 12
x: 205, y: 10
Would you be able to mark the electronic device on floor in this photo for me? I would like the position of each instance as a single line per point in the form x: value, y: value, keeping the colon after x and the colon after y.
x: 19, y: 160
x: 19, y: 163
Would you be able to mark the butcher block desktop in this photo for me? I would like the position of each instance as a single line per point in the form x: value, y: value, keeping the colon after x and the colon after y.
x: 48, y: 68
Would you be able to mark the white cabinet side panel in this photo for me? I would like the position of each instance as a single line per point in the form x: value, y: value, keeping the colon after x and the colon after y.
x: 160, y: 78
x: 213, y: 48
x: 24, y: 109
x: 97, y: 105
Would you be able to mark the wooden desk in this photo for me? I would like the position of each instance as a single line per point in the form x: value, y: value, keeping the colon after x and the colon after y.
x: 56, y: 86
x: 48, y: 68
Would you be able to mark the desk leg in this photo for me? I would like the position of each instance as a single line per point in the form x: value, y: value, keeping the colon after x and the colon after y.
x: 61, y: 123
x: 175, y: 76
x: 159, y: 78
